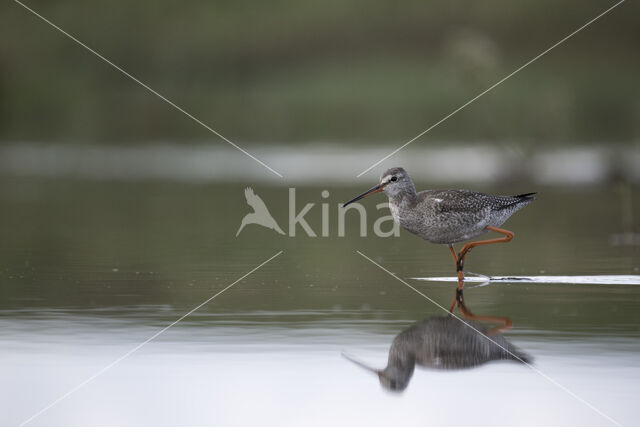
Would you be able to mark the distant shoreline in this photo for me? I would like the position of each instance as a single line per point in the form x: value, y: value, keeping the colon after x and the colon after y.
x: 323, y: 163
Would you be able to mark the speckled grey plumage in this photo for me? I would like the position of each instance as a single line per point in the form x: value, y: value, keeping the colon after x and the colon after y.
x: 446, y: 216
x: 443, y: 343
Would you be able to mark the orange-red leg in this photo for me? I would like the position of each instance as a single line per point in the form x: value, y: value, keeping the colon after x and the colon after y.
x: 453, y: 304
x: 460, y: 274
x: 505, y: 323
x: 508, y: 235
x: 456, y: 299
x: 453, y: 254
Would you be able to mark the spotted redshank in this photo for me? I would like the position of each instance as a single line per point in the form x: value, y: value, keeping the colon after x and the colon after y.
x: 447, y: 216
x: 445, y: 343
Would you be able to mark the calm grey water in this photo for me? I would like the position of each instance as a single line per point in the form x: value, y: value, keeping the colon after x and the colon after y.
x: 89, y: 270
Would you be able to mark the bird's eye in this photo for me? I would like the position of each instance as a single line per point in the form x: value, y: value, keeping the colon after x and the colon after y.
x: 394, y: 178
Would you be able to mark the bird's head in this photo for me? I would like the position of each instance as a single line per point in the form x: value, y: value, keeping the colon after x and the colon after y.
x: 392, y: 378
x: 393, y: 181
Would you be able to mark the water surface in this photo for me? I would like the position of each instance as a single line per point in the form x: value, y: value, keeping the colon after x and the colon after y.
x: 89, y: 270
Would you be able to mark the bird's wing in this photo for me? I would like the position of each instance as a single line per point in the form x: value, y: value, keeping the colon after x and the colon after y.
x: 254, y: 200
x: 455, y: 200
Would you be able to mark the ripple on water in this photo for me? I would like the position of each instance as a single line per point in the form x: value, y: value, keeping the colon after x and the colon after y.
x: 629, y: 279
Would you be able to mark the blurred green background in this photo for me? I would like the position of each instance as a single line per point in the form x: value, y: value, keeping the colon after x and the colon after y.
x: 296, y: 71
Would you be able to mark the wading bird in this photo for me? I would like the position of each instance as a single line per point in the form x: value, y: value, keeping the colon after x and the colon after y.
x: 445, y: 343
x: 447, y: 216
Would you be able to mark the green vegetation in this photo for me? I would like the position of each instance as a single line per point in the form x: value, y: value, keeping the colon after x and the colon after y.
x: 291, y: 71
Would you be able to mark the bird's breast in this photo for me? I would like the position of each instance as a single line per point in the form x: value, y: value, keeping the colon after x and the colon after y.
x: 395, y: 212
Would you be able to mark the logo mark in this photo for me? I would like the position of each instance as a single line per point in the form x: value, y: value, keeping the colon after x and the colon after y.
x: 297, y: 217
x: 260, y: 214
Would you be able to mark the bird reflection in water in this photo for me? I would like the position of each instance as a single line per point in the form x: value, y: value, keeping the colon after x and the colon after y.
x: 447, y: 343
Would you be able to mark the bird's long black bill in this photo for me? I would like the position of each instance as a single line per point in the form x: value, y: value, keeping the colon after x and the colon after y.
x: 375, y: 189
x: 359, y: 363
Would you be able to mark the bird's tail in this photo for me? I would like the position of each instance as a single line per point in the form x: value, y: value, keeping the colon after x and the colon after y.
x: 511, y: 352
x: 517, y: 202
x: 521, y: 356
